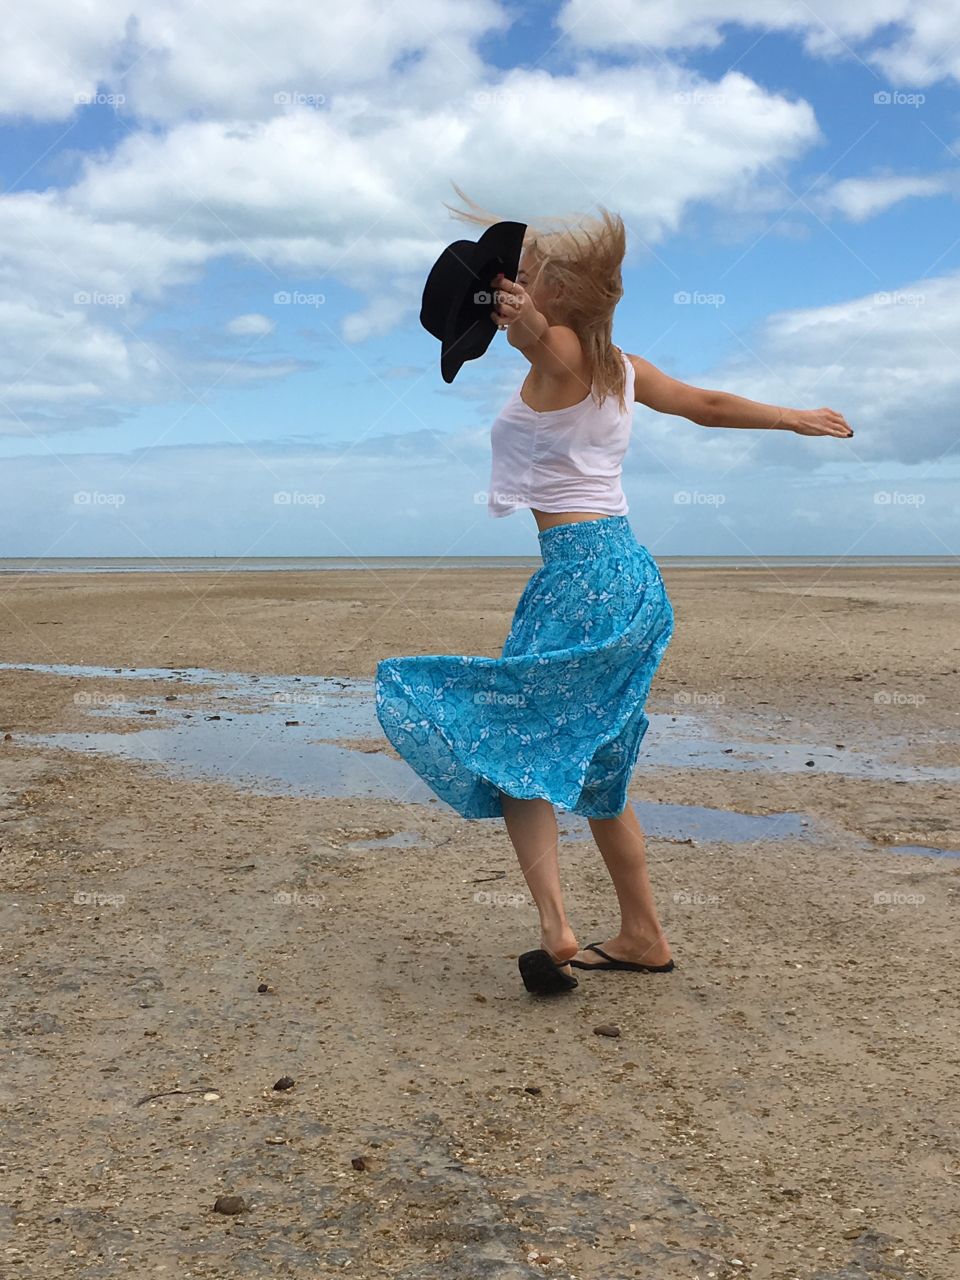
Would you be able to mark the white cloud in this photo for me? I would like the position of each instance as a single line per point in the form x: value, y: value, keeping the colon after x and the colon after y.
x: 233, y: 58
x: 889, y: 361
x: 861, y: 198
x: 251, y: 325
x: 222, y: 499
x: 332, y: 193
x: 52, y: 53
x: 924, y: 46
x: 382, y: 314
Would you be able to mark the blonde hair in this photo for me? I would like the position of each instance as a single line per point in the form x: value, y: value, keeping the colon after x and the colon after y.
x: 583, y: 261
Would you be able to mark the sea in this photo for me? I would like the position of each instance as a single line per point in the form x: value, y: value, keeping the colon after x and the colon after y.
x: 310, y: 564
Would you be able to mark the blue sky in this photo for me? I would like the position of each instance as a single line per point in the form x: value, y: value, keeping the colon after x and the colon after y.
x: 170, y: 171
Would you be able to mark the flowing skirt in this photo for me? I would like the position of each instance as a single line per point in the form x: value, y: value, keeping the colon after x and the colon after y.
x: 560, y: 714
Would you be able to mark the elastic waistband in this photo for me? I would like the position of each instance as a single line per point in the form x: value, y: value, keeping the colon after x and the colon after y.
x: 582, y: 539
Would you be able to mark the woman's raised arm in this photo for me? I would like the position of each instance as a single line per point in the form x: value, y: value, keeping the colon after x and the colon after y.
x: 708, y: 408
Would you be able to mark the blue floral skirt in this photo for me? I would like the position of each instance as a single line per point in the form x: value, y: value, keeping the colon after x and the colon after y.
x: 560, y: 714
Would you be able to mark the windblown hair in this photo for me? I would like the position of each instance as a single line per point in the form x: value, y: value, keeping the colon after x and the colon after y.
x: 582, y: 259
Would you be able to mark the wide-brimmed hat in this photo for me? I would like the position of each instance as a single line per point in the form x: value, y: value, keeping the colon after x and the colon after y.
x: 458, y: 296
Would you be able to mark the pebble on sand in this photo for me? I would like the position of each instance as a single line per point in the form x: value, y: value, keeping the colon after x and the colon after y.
x: 607, y: 1029
x: 285, y: 1082
x: 229, y: 1204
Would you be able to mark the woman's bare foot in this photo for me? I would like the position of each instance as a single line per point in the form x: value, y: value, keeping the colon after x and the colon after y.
x: 636, y: 950
x: 560, y: 944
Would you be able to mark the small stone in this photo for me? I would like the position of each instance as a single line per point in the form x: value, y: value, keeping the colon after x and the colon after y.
x: 211, y: 1096
x: 359, y: 1163
x: 170, y: 697
x: 229, y: 1204
x: 607, y: 1029
x: 8, y: 737
x: 212, y: 717
x: 809, y: 763
x: 532, y: 1088
x: 263, y: 988
x: 288, y: 723
x: 285, y: 1082
x: 151, y: 712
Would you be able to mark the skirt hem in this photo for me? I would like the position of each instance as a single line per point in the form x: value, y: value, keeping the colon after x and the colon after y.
x: 569, y: 803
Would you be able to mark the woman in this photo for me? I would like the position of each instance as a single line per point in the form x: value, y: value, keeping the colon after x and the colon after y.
x: 557, y: 720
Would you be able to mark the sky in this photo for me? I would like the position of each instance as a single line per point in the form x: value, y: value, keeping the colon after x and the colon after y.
x: 217, y: 218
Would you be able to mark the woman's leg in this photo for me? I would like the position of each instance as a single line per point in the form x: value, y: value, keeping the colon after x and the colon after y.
x: 641, y: 939
x: 532, y: 826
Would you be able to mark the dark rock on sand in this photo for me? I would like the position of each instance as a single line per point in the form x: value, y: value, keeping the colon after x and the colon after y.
x: 229, y: 1204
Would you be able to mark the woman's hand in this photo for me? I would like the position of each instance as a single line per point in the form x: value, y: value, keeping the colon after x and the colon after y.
x: 819, y: 422
x: 513, y: 303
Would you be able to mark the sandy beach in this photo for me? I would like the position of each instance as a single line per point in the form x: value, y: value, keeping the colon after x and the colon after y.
x: 781, y: 1106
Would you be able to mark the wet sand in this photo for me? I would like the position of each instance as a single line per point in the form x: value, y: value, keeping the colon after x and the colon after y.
x: 779, y: 1106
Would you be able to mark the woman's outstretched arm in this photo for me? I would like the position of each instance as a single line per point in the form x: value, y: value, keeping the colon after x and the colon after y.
x: 721, y: 409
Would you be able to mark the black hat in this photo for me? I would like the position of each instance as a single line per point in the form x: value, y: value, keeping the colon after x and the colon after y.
x: 458, y: 295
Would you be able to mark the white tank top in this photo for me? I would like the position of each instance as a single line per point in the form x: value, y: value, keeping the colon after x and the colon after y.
x: 561, y: 459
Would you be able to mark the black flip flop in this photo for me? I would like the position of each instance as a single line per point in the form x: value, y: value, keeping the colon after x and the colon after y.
x: 544, y: 976
x: 626, y: 965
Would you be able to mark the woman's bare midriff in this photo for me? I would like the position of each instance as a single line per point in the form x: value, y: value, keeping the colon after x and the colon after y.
x: 546, y: 519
